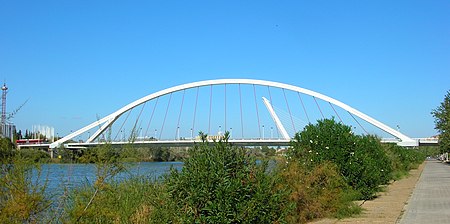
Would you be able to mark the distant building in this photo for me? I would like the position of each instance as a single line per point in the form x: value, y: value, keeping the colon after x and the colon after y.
x: 8, y: 131
x: 43, y: 131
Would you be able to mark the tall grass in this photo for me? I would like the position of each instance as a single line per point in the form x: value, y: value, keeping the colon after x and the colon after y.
x: 22, y: 200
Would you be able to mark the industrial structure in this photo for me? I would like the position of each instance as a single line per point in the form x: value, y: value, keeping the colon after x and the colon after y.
x: 7, y: 129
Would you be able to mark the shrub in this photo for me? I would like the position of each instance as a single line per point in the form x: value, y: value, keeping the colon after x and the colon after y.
x: 360, y: 159
x: 221, y: 184
x: 403, y: 159
x: 317, y: 193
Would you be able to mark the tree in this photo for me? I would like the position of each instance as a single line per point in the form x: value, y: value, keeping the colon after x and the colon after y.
x: 442, y: 123
x: 6, y: 149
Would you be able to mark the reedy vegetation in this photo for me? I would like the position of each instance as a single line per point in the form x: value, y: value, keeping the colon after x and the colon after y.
x: 325, y: 169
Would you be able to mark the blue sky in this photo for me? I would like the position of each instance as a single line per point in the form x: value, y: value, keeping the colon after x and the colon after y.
x: 76, y: 60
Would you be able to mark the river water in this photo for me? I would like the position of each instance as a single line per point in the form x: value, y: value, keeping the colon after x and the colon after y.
x: 69, y: 176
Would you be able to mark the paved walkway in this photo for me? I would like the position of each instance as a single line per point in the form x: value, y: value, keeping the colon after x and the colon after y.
x: 430, y: 201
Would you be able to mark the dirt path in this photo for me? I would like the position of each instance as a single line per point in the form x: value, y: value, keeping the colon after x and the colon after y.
x: 388, y: 207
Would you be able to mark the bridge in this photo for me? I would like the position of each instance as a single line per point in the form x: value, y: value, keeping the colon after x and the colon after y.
x: 254, y: 112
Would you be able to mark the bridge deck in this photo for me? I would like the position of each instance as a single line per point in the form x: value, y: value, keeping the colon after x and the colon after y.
x: 238, y: 142
x: 430, y: 201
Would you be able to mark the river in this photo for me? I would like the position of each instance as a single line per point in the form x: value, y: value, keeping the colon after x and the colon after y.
x: 69, y: 176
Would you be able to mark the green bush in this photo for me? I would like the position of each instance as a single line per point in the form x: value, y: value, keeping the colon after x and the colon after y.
x: 403, y: 159
x: 221, y: 184
x: 360, y: 159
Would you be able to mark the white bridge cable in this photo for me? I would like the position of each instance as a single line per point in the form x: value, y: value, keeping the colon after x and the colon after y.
x: 225, y: 106
x: 135, y: 126
x: 195, y: 111
x: 165, y: 116
x: 289, y: 109
x: 270, y: 97
x: 151, y: 117
x: 257, y: 113
x: 303, y: 106
x: 285, y: 117
x: 123, y: 123
x: 179, y: 116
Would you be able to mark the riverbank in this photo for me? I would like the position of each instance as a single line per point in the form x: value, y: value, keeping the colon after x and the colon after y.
x: 388, y: 206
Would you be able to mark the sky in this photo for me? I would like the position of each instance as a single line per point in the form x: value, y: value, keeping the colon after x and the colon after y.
x: 75, y: 61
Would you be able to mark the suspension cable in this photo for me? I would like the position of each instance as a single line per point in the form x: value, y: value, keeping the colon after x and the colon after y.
x: 336, y: 112
x: 123, y: 123
x: 304, y: 109
x: 257, y: 113
x: 225, y: 110
x: 289, y: 109
x: 240, y: 103
x: 195, y: 111
x: 210, y: 109
x: 179, y: 115
x: 318, y: 107
x: 164, y: 121
x: 151, y: 117
x: 137, y: 119
x: 270, y: 96
x: 358, y: 123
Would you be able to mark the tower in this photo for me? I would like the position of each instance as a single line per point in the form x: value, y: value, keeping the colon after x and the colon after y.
x: 4, y: 92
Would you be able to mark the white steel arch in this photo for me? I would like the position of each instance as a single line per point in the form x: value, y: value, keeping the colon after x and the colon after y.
x: 105, y: 122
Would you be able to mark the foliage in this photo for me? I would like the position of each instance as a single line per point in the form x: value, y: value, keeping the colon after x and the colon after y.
x: 360, y: 159
x: 317, y: 193
x: 221, y: 184
x: 403, y: 159
x: 430, y: 151
x: 6, y: 150
x: 33, y: 155
x: 268, y: 151
x: 130, y: 153
x: 67, y: 155
x: 442, y: 123
x: 22, y: 200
